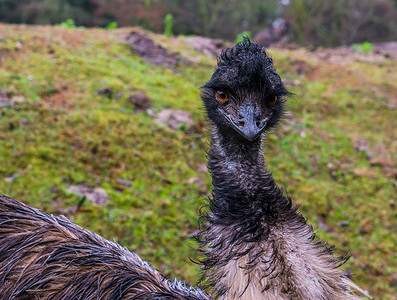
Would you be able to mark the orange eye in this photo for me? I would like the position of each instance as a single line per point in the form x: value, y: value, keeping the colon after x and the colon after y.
x: 273, y: 101
x: 222, y: 96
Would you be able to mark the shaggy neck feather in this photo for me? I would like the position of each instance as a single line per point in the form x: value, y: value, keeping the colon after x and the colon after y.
x: 240, y: 181
x: 256, y: 244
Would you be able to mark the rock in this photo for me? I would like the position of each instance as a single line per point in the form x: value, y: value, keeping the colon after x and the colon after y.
x: 174, y: 118
x: 108, y: 92
x: 124, y: 182
x: 202, y: 168
x: 11, y: 178
x: 361, y: 145
x: 140, y: 101
x: 19, y: 45
x: 137, y: 153
x: 344, y: 224
x: 95, y: 195
x: 7, y: 98
x: 118, y: 95
x: 323, y: 225
x: 331, y: 166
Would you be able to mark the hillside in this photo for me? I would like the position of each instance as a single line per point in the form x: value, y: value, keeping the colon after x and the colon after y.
x: 74, y: 120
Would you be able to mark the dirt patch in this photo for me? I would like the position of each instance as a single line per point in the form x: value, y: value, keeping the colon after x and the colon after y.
x: 210, y: 47
x: 345, y: 54
x: 62, y: 98
x: 150, y: 51
x: 331, y: 73
x: 377, y: 156
x: 388, y: 49
x: 389, y: 93
x: 300, y: 67
x: 174, y: 118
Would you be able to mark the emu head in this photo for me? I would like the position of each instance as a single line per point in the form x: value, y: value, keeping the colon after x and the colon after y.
x: 244, y: 96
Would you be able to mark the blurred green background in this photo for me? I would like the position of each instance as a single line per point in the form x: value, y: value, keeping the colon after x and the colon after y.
x: 311, y: 22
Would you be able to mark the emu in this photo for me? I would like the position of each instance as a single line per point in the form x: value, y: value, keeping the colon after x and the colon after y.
x: 47, y: 257
x: 256, y: 245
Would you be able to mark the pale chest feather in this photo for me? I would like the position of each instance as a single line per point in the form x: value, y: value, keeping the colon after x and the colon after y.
x: 287, y: 266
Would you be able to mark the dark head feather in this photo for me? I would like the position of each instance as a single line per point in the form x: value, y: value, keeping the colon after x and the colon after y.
x: 246, y: 73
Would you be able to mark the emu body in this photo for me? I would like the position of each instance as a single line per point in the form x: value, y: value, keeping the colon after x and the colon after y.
x: 257, y: 245
x: 47, y: 257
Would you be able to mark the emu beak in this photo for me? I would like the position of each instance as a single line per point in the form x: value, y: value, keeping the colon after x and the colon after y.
x: 249, y: 123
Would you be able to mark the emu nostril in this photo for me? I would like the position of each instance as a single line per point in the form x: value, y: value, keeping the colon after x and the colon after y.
x: 248, y: 116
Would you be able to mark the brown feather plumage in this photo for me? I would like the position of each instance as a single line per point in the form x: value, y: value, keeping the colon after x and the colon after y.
x: 47, y: 257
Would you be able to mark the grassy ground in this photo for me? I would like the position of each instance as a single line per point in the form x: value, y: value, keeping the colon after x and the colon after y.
x: 335, y: 154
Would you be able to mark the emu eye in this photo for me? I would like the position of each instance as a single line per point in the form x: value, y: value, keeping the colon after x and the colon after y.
x: 273, y: 101
x: 222, y: 96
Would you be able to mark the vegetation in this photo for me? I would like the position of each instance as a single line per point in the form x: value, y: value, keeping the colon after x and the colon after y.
x: 312, y: 22
x: 169, y: 22
x: 365, y: 47
x: 240, y: 37
x: 111, y: 25
x: 342, y: 22
x: 336, y: 153
x: 69, y: 23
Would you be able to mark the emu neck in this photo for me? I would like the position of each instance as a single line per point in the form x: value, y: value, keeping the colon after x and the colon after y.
x: 256, y: 244
x: 239, y: 176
